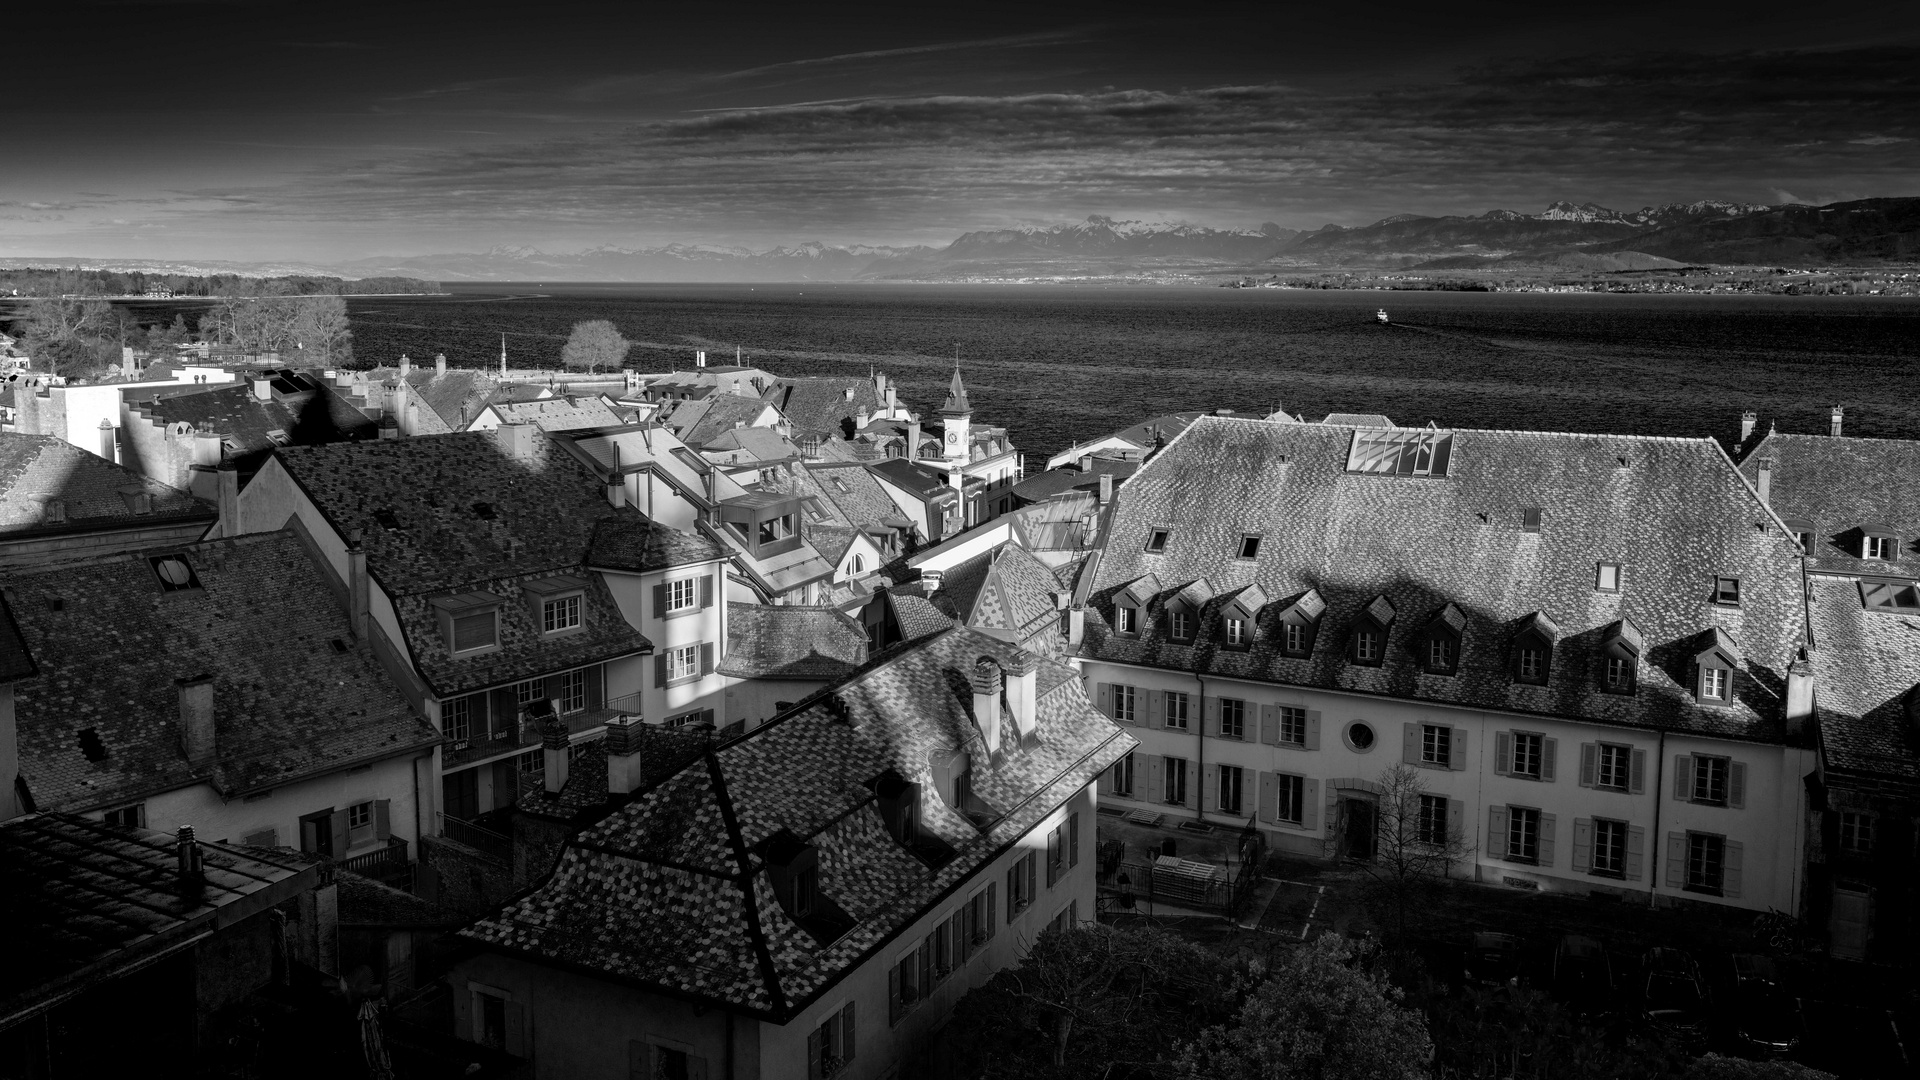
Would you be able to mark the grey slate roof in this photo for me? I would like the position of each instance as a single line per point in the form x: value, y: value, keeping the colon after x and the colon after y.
x: 1057, y: 482
x: 1865, y: 662
x: 619, y: 544
x: 1672, y: 512
x: 1366, y: 420
x: 95, y: 490
x: 303, y: 410
x: 819, y: 405
x: 672, y: 891
x: 854, y: 493
x: 791, y: 642
x: 698, y: 420
x: 557, y: 413
x: 1007, y: 592
x: 100, y: 725
x: 1837, y: 485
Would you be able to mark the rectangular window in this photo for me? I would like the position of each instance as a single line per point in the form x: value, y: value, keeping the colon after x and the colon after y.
x: 1231, y: 777
x: 1619, y: 673
x: 1530, y: 519
x: 360, y: 816
x: 1293, y: 726
x: 459, y: 718
x: 1366, y: 646
x: 573, y: 691
x: 1606, y: 577
x: 1233, y: 718
x: 1156, y: 541
x: 1533, y: 663
x: 1292, y: 799
x: 1175, y: 780
x: 1236, y: 632
x: 1609, y: 847
x: 560, y: 613
x: 1526, y: 754
x: 132, y: 817
x: 1126, y: 707
x: 1440, y: 653
x: 1726, y: 590
x: 1020, y: 884
x: 1613, y: 766
x: 475, y: 631
x: 1123, y: 775
x: 1178, y: 702
x: 683, y: 595
x: 1880, y: 547
x: 683, y: 663
x: 1436, y: 745
x: 1433, y: 820
x: 1296, y: 637
x: 1523, y: 834
x: 526, y: 693
x: 1889, y: 596
x: 1126, y: 620
x: 1856, y: 834
x: 1400, y: 453
x: 1249, y: 547
x: 1180, y: 624
x: 1710, y: 779
x: 1706, y: 862
x: 1714, y: 682
x: 830, y: 1046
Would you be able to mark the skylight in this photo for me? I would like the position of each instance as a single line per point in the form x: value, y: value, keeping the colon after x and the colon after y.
x: 1249, y: 547
x: 1157, y: 541
x: 1889, y: 596
x: 1400, y: 452
x: 174, y: 573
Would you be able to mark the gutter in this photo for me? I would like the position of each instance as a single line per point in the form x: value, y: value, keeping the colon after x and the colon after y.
x: 1659, y: 786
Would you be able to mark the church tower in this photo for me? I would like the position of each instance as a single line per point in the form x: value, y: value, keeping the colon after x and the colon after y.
x: 956, y: 417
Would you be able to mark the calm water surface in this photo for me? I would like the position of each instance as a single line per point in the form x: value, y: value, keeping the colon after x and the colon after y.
x: 1057, y: 364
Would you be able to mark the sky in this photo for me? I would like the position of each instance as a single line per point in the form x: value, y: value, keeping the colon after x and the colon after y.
x: 262, y: 130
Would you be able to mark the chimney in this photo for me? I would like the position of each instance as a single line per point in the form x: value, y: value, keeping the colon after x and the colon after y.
x: 108, y: 444
x: 1076, y: 625
x: 713, y: 490
x: 229, y: 499
x: 1837, y: 412
x: 617, y: 491
x: 913, y: 439
x: 406, y: 365
x: 1106, y: 488
x: 1765, y: 482
x: 893, y: 401
x: 187, y: 855
x: 1022, y: 697
x: 957, y: 480
x: 413, y: 419
x: 262, y: 389
x: 624, y: 774
x: 516, y: 440
x: 553, y: 749
x: 359, y: 585
x: 880, y: 383
x: 986, y: 702
x: 700, y: 358
x: 440, y: 364
x: 1800, y: 695
x: 1086, y: 463
x: 196, y: 720
x: 206, y: 449
x: 862, y: 418
x: 1747, y: 420
x: 847, y: 394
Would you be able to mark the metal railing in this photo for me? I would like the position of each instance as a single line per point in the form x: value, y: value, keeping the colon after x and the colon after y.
x: 484, y: 840
x: 387, y: 863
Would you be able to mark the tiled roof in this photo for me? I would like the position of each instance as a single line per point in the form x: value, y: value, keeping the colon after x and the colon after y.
x: 1864, y: 663
x: 1672, y: 512
x: 1350, y: 419
x: 746, y: 444
x: 1837, y: 485
x: 917, y: 616
x: 831, y: 541
x: 452, y: 398
x: 638, y: 547
x: 293, y: 694
x: 700, y: 420
x: 85, y: 902
x: 1013, y: 597
x: 1056, y: 482
x: 302, y: 411
x: 556, y: 414
x: 819, y: 405
x: 584, y: 798
x: 672, y: 891
x: 96, y: 492
x: 790, y: 642
x: 914, y: 478
x: 855, y: 495
x: 524, y: 650
x: 15, y: 661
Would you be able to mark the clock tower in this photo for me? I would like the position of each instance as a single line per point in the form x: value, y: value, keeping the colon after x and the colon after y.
x: 956, y: 416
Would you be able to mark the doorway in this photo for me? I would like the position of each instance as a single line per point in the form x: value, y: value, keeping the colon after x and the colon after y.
x: 1847, y: 930
x: 1359, y: 831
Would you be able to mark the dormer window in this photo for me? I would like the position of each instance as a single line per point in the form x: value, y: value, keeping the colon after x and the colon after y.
x: 469, y: 622
x: 1298, y: 622
x: 1439, y: 648
x: 1238, y: 614
x: 558, y: 603
x: 1369, y: 646
x: 1128, y: 602
x: 1126, y: 620
x: 1713, y: 667
x: 1236, y: 633
x: 1620, y: 658
x: 1532, y: 655
x: 1879, y: 542
x: 1179, y: 622
x: 1726, y: 591
x: 1157, y: 541
x: 1366, y: 645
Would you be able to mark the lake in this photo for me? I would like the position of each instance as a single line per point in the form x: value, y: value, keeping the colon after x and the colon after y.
x: 1056, y: 364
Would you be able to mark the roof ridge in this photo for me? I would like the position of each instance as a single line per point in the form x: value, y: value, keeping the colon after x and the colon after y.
x: 762, y: 954
x: 109, y: 559
x: 1452, y: 430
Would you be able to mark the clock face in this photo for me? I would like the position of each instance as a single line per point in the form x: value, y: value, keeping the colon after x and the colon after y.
x: 953, y: 436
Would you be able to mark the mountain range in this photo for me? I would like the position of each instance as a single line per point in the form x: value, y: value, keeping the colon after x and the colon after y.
x: 1563, y: 236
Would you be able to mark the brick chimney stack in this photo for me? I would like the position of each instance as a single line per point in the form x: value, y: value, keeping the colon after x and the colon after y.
x: 1799, y: 694
x: 985, y: 678
x: 1023, y: 697
x: 624, y: 772
x: 554, y: 752
x: 440, y: 364
x: 1764, y: 482
x: 196, y: 721
x: 1837, y: 413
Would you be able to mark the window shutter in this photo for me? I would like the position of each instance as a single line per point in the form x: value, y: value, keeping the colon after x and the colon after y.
x: 1676, y: 859
x: 1457, y: 750
x: 706, y: 658
x: 309, y: 837
x: 1456, y: 819
x: 1270, y: 725
x: 1637, y: 773
x: 1313, y: 729
x: 1636, y: 851
x: 383, y: 819
x: 813, y: 1055
x: 1547, y: 822
x: 1737, y: 784
x: 1269, y: 798
x: 706, y: 592
x: 637, y: 1061
x: 1682, y: 776
x: 516, y: 1029
x: 1549, y: 753
x: 1210, y: 788
x: 1732, y: 858
x: 1410, y: 743
x: 659, y: 670
x: 1104, y: 691
x: 1503, y: 753
x: 846, y: 1032
x: 1156, y: 785
x: 990, y: 910
x: 1013, y: 889
x: 1582, y: 845
x: 1589, y: 763
x: 1156, y: 708
x: 1054, y: 843
x: 1073, y: 839
x: 1497, y: 831
x: 660, y: 600
x: 337, y: 825
x: 1310, y: 805
x: 895, y: 1008
x: 1211, y: 708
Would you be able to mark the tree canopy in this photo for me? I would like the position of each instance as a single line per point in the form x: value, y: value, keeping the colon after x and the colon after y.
x: 593, y: 343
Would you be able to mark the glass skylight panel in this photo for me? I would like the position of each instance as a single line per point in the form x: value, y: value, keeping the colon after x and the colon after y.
x: 1400, y: 452
x: 1889, y: 596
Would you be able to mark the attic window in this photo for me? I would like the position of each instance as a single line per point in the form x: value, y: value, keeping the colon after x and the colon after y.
x: 1876, y: 546
x: 1396, y: 452
x: 279, y: 438
x: 1726, y: 591
x: 91, y: 746
x: 1606, y: 577
x: 469, y: 622
x: 339, y: 645
x: 483, y: 511
x: 1530, y: 519
x: 1156, y: 541
x: 1249, y: 546
x: 175, y: 574
x: 1889, y: 596
x: 385, y: 518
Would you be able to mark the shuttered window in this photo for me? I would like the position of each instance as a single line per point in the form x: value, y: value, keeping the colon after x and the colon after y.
x: 477, y: 631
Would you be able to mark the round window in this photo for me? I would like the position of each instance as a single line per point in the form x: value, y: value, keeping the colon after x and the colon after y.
x: 1360, y: 736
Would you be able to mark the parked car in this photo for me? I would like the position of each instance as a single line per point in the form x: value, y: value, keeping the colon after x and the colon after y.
x: 1673, y: 996
x: 1582, y: 975
x: 1757, y: 1014
x: 1494, y: 959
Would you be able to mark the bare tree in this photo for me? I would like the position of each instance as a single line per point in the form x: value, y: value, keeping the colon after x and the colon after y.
x: 69, y: 337
x: 593, y: 343
x: 1422, y: 837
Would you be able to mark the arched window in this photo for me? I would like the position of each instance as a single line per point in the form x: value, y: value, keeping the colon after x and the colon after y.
x: 856, y: 564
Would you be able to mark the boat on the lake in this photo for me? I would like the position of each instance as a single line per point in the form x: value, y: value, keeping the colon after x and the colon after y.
x: 1381, y: 317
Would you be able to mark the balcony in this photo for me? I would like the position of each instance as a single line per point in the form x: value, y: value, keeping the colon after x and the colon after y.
x: 487, y: 842
x: 523, y: 733
x: 386, y: 864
